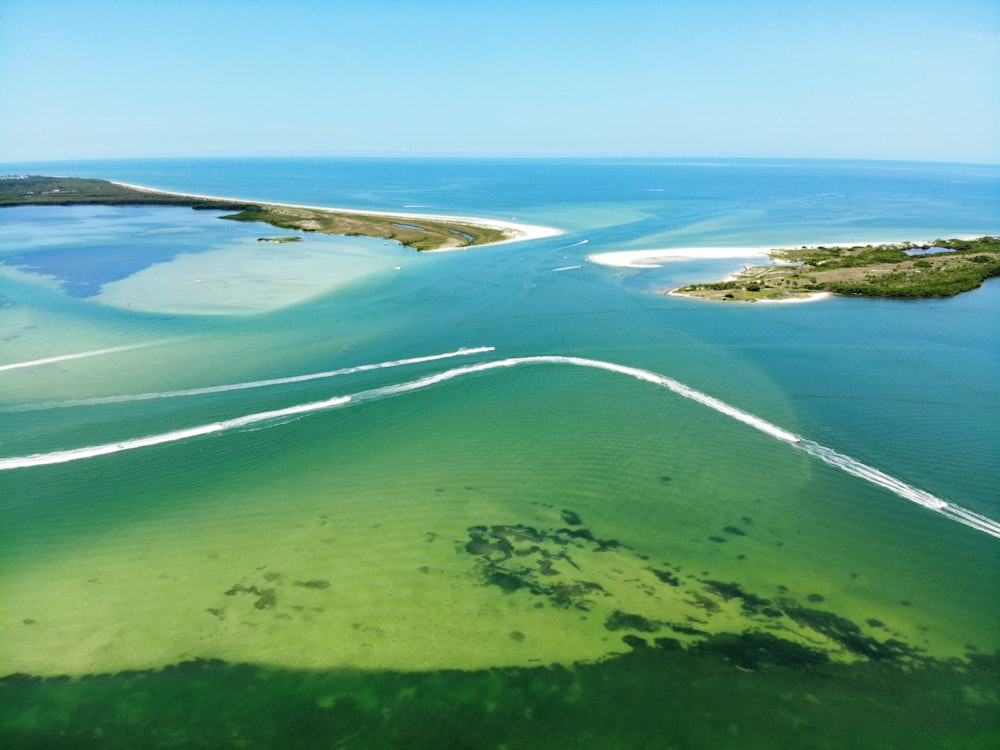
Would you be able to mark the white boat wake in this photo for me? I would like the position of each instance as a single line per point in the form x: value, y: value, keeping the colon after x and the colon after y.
x: 244, y: 386
x: 77, y: 355
x: 823, y: 453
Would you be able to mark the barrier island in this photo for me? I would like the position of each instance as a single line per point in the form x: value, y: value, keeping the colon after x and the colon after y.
x: 906, y: 270
x: 414, y: 231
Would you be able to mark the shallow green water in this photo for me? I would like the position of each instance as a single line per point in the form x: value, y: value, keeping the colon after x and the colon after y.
x: 542, y: 555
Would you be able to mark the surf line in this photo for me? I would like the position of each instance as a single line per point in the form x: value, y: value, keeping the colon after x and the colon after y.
x: 463, y: 352
x: 827, y: 455
x: 78, y: 355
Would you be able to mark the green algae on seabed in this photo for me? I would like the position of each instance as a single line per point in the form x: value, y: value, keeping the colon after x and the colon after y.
x: 575, y: 575
x: 570, y: 595
x: 732, y: 693
x: 571, y: 569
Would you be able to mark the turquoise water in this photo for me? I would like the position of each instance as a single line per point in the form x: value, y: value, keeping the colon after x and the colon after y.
x: 551, y: 553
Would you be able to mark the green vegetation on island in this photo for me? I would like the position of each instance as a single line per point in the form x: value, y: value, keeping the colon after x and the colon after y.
x: 415, y: 232
x: 906, y: 270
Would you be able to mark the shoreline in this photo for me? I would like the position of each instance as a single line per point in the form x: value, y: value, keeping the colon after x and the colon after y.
x: 812, y: 297
x: 654, y: 258
x: 639, y: 259
x: 743, y: 284
x: 524, y: 231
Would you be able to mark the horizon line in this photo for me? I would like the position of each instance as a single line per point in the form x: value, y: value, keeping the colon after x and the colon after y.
x: 506, y: 157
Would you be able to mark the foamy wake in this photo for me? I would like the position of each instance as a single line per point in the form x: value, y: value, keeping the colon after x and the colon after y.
x: 900, y: 488
x: 827, y: 455
x: 245, y: 386
x: 77, y: 355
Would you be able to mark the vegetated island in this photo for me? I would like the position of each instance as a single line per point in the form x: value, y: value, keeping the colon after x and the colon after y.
x: 414, y: 231
x: 905, y: 270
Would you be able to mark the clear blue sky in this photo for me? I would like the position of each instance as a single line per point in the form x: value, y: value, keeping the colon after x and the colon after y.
x: 880, y: 79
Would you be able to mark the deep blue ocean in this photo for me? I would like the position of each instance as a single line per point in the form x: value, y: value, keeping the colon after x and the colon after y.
x: 338, y: 493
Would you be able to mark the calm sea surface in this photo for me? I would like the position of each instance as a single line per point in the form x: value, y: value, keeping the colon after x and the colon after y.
x: 336, y: 493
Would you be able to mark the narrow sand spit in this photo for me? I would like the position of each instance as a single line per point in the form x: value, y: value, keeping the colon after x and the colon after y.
x: 521, y: 231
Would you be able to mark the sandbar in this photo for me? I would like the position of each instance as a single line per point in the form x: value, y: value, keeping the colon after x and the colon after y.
x: 654, y: 258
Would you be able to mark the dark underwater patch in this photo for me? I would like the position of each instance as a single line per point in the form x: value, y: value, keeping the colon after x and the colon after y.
x: 771, y: 694
x: 624, y: 621
x: 570, y: 518
x: 517, y: 557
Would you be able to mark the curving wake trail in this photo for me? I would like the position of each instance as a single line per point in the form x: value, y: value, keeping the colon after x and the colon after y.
x: 823, y: 453
x: 899, y: 487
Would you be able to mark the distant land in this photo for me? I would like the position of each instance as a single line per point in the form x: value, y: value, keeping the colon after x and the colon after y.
x: 417, y: 232
x: 905, y: 270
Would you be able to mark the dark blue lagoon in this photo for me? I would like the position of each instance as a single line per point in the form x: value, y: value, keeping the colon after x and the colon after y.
x: 340, y: 493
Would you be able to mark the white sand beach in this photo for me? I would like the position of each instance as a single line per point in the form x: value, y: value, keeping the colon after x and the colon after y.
x: 815, y: 297
x: 655, y: 258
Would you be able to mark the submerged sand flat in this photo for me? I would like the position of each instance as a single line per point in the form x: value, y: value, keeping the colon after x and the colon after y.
x: 345, y: 589
x: 247, y: 278
x: 431, y: 590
